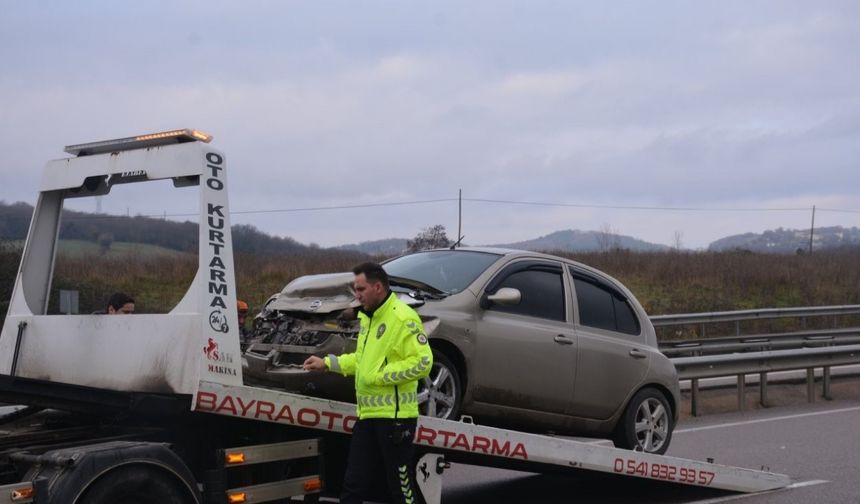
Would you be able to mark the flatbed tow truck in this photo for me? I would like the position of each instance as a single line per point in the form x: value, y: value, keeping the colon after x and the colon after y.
x: 152, y: 407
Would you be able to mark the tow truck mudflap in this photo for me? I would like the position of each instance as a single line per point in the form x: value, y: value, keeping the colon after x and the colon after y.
x: 446, y: 435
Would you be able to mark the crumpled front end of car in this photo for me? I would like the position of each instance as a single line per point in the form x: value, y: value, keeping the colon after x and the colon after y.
x: 313, y: 315
x: 283, y: 340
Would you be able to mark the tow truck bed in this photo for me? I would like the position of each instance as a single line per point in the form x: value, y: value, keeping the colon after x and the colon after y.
x: 484, y: 445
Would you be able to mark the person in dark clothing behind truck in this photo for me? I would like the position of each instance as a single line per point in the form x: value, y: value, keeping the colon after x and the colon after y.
x: 120, y: 304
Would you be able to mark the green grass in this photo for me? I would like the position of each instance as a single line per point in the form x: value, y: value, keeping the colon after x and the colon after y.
x: 665, y: 283
x: 82, y: 248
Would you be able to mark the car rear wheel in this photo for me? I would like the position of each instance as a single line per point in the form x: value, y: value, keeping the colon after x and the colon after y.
x: 440, y: 393
x: 646, y: 424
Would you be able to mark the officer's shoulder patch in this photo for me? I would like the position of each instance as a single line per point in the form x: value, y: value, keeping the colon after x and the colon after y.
x: 422, y: 338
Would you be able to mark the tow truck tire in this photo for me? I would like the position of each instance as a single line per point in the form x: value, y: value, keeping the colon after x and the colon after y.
x: 650, y: 410
x: 135, y: 484
x: 441, y: 391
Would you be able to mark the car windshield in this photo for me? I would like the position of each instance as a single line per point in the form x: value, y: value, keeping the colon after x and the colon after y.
x: 450, y: 271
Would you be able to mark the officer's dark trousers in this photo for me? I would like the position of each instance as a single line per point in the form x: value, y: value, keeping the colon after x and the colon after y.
x: 381, y: 448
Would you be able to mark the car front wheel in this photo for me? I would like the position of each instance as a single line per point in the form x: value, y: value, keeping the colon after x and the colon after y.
x: 646, y: 425
x: 440, y: 393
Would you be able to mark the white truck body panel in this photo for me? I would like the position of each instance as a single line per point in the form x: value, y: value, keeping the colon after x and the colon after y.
x: 166, y: 353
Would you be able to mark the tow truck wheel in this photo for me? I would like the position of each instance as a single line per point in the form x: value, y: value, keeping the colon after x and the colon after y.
x: 646, y: 425
x: 135, y: 484
x: 440, y: 393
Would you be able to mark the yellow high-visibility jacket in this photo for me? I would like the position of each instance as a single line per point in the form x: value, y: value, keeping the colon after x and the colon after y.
x: 391, y: 355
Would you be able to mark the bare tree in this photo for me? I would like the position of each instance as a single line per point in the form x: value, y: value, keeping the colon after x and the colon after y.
x: 429, y: 238
x: 607, y: 238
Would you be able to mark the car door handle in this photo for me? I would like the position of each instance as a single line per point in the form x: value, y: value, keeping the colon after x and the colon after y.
x: 637, y: 354
x: 563, y: 340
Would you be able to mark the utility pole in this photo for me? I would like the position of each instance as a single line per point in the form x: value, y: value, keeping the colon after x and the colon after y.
x: 812, y: 230
x: 460, y: 218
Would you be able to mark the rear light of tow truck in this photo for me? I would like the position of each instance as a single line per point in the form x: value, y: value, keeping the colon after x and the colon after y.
x: 23, y: 494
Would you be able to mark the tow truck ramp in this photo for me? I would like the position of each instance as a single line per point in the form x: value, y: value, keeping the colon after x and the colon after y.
x: 480, y: 441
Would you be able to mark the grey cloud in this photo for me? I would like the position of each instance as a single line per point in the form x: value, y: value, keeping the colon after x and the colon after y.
x: 639, y: 103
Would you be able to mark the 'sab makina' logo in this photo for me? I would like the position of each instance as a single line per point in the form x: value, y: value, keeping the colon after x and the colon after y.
x: 211, y: 350
x: 213, y: 354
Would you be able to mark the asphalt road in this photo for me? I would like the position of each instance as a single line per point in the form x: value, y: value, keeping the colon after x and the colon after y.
x: 817, y: 445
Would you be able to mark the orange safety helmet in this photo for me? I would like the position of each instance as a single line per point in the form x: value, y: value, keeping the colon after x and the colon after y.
x: 242, y: 306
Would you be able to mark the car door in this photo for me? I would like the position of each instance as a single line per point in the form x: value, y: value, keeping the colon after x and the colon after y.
x: 612, y: 357
x: 525, y: 353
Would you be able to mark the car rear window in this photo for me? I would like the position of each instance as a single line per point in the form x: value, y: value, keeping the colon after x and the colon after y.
x: 450, y: 271
x: 602, y: 307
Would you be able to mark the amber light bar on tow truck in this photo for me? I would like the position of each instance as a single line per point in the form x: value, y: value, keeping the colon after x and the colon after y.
x: 139, y: 142
x: 274, y: 452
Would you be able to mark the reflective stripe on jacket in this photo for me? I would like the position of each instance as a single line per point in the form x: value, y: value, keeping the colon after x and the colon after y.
x: 391, y: 355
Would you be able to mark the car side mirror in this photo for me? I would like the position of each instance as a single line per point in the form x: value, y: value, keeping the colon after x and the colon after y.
x: 506, y: 296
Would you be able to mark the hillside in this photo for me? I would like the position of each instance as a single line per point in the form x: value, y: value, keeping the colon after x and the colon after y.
x: 117, y: 250
x: 572, y: 240
x: 789, y: 241
x: 386, y: 247
x: 105, y: 230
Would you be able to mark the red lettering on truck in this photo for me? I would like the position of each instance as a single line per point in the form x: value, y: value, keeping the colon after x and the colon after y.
x: 265, y: 410
x: 464, y: 442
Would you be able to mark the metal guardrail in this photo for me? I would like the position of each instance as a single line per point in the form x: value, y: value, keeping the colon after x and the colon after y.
x: 760, y: 354
x: 762, y: 363
x: 737, y: 316
x: 763, y: 313
x: 761, y: 342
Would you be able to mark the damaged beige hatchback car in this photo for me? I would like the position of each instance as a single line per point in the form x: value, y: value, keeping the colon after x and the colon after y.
x: 520, y: 339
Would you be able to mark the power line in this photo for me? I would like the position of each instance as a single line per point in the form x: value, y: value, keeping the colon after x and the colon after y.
x: 620, y: 207
x: 510, y: 202
x: 343, y: 207
x: 661, y: 208
x: 838, y: 210
x: 286, y: 210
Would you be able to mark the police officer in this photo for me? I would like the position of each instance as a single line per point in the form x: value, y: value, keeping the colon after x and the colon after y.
x: 391, y: 355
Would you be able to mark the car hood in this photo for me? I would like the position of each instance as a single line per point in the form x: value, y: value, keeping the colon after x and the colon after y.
x: 324, y: 293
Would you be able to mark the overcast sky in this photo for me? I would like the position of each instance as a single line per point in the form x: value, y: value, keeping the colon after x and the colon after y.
x: 728, y: 116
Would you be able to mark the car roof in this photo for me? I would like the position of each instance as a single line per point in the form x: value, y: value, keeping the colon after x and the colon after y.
x: 530, y: 254
x: 489, y: 250
x: 505, y: 252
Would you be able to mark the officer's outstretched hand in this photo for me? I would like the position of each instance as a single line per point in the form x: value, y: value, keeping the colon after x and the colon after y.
x: 314, y: 363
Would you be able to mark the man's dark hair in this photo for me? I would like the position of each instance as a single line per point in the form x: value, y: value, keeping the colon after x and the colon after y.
x: 119, y: 299
x: 373, y: 272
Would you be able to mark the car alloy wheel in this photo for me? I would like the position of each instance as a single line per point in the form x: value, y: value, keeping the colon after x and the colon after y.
x: 647, y: 423
x: 652, y: 425
x: 439, y: 394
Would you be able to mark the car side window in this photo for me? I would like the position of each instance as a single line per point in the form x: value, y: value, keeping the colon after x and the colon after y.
x: 541, y: 290
x: 601, y: 307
